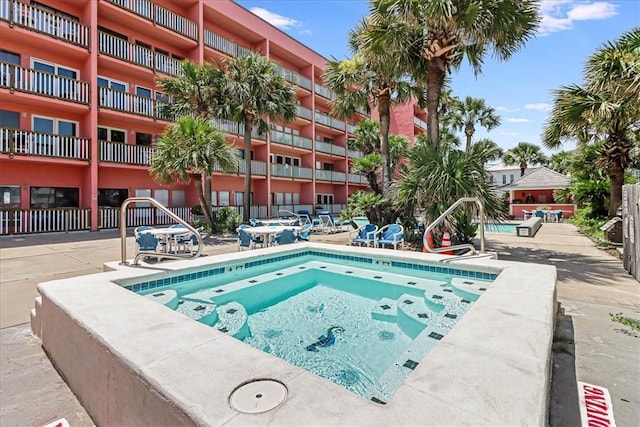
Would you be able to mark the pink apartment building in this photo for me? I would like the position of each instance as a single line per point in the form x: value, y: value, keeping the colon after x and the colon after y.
x: 80, y: 110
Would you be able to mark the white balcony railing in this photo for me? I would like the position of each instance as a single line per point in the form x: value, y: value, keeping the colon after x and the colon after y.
x: 43, y: 21
x: 161, y: 16
x: 291, y: 171
x: 291, y: 140
x: 23, y: 221
x: 130, y: 103
x: 323, y: 119
x: 293, y: 77
x: 355, y: 154
x: 304, y: 112
x: 130, y: 154
x: 29, y: 80
x: 324, y: 92
x: 30, y: 143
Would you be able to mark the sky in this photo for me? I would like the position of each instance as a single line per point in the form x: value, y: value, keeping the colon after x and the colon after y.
x: 520, y: 89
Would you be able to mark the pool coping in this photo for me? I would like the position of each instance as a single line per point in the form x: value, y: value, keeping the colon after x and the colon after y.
x: 127, y: 370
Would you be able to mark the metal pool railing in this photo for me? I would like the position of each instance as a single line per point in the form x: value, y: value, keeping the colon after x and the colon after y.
x: 444, y: 215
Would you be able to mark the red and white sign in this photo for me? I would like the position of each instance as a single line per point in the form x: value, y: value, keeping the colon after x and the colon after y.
x: 596, y: 409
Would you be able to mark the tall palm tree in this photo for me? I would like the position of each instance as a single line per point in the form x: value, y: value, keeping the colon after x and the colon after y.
x: 370, y: 75
x: 561, y: 162
x: 466, y: 113
x: 486, y: 150
x: 605, y: 109
x: 524, y: 155
x: 192, y: 148
x: 197, y: 91
x: 446, y: 31
x: 255, y: 91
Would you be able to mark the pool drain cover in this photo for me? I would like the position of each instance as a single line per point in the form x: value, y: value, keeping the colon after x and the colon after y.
x: 258, y: 396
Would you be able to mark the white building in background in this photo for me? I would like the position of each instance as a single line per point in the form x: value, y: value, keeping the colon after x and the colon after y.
x: 503, y: 175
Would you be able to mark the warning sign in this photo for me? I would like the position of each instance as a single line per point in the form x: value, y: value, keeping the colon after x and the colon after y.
x: 595, y: 406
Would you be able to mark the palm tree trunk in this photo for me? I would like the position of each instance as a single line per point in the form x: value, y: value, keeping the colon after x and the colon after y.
x: 435, y: 81
x: 616, y: 177
x: 207, y: 191
x: 385, y: 123
x: 469, y: 135
x: 206, y: 210
x: 246, y: 201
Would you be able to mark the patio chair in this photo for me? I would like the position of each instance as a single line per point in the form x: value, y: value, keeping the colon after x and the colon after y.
x: 304, y: 216
x: 527, y: 214
x: 245, y: 240
x: 305, y: 233
x: 137, y: 230
x: 327, y: 223
x: 363, y: 235
x: 539, y: 214
x: 390, y: 234
x: 285, y: 237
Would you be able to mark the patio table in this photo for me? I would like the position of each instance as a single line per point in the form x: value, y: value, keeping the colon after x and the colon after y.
x: 269, y: 232
x: 167, y: 235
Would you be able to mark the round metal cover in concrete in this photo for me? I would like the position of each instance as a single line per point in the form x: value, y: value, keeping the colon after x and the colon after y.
x: 258, y: 396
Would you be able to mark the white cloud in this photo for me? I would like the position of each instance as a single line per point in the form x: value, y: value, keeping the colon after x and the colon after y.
x: 518, y: 120
x: 541, y: 106
x: 559, y: 15
x: 305, y: 32
x: 506, y: 109
x: 278, y: 21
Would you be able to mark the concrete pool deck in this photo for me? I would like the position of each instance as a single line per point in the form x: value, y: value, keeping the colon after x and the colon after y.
x: 590, y: 285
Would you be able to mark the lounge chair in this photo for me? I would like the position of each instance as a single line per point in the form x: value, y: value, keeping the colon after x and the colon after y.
x: 327, y: 223
x: 305, y: 233
x: 305, y: 217
x: 390, y: 234
x: 285, y: 237
x: 363, y: 235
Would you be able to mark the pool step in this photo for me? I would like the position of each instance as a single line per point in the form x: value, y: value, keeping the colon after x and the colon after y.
x: 385, y: 310
x: 205, y: 295
x: 413, y: 314
x: 468, y: 288
x: 197, y: 310
x: 232, y: 320
x: 168, y: 297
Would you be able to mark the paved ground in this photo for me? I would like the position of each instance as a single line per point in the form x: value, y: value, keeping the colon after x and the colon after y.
x: 588, y: 346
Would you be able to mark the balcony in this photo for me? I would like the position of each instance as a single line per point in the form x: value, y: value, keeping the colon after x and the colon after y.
x: 30, y: 143
x: 223, y: 44
x: 333, y: 176
x: 351, y: 128
x: 118, y: 100
x: 128, y: 154
x: 304, y: 112
x: 139, y: 55
x: 291, y: 171
x: 324, y: 147
x: 160, y: 16
x: 28, y: 80
x: 234, y: 128
x: 355, y: 154
x: 257, y: 168
x: 329, y: 121
x: 420, y: 123
x: 324, y: 92
x: 357, y: 179
x: 42, y: 21
x: 293, y: 77
x: 291, y: 140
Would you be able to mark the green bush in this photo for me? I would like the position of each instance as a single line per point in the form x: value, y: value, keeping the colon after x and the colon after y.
x: 588, y: 224
x: 226, y: 220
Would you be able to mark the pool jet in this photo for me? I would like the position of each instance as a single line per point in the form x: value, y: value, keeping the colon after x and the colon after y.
x: 326, y: 340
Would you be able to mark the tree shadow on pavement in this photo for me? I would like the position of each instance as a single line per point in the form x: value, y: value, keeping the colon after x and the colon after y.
x: 564, y: 409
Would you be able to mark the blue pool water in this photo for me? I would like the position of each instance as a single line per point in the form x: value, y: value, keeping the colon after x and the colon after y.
x: 362, y: 323
x: 500, y: 228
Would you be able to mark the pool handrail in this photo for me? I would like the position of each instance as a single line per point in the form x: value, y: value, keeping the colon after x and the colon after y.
x: 157, y: 204
x: 446, y: 213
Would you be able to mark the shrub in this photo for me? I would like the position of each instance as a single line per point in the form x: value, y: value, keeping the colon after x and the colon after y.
x: 226, y: 220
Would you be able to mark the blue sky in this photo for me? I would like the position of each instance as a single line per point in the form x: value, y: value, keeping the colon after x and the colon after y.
x: 520, y: 89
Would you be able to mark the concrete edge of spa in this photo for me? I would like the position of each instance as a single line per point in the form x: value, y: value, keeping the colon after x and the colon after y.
x: 132, y: 361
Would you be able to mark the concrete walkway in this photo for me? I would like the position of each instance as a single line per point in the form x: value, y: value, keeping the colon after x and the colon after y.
x: 589, y: 347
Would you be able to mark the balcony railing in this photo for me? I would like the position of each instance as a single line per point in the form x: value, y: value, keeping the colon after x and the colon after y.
x: 291, y: 171
x: 323, y: 119
x: 139, y: 55
x: 291, y: 140
x: 334, y: 176
x: 118, y: 152
x: 118, y: 100
x: 136, y: 216
x: 351, y: 128
x: 324, y: 92
x: 420, y: 123
x: 330, y: 148
x: 257, y: 167
x: 30, y: 143
x: 295, y: 78
x: 43, y: 21
x: 24, y: 221
x: 236, y: 128
x: 42, y: 83
x: 329, y: 121
x: 355, y: 154
x: 304, y: 112
x: 161, y: 16
x: 357, y: 179
x: 222, y: 44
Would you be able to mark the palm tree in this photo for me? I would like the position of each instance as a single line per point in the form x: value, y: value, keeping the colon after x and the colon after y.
x: 524, y: 154
x: 369, y: 165
x: 465, y: 114
x: 197, y: 91
x: 446, y: 31
x: 370, y: 75
x: 255, y: 90
x: 486, y: 150
x: 561, y: 162
x: 192, y: 148
x: 605, y: 110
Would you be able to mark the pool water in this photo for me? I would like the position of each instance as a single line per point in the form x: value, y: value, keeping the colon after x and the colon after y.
x: 364, y: 329
x: 500, y: 228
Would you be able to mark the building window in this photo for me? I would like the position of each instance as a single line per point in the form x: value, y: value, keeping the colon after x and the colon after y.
x: 238, y: 198
x: 143, y: 138
x: 45, y: 84
x: 10, y: 196
x: 113, y: 93
x: 324, y: 199
x: 9, y: 119
x: 112, y: 197
x: 50, y: 197
x: 111, y: 134
x: 504, y: 179
x: 223, y: 198
x: 511, y: 178
x: 178, y: 198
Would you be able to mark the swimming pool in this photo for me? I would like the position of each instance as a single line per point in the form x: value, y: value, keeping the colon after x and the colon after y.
x: 500, y: 228
x: 362, y: 328
x: 132, y: 361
